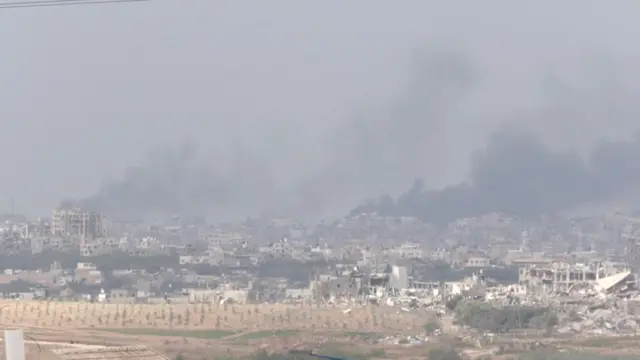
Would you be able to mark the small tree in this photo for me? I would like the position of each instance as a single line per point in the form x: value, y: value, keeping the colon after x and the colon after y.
x: 431, y: 326
x: 452, y: 303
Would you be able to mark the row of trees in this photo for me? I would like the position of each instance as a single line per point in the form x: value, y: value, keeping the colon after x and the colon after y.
x: 69, y: 260
x: 292, y: 269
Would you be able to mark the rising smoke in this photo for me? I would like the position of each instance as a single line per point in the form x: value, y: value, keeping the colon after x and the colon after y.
x: 384, y: 147
x: 178, y: 181
x: 516, y: 172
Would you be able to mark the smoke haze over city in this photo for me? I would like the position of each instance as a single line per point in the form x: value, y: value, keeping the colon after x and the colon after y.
x: 226, y: 110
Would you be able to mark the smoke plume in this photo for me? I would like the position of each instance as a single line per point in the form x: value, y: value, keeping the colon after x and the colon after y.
x: 385, y: 146
x: 521, y: 170
x: 516, y: 174
x: 178, y: 181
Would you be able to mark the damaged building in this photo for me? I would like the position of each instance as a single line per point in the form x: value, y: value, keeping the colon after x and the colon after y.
x: 562, y: 277
x: 353, y: 284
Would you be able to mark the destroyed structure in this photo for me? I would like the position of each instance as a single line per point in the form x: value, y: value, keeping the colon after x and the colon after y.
x: 597, y: 297
x: 563, y: 277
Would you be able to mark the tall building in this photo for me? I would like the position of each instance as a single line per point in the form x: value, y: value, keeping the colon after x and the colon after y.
x: 68, y: 222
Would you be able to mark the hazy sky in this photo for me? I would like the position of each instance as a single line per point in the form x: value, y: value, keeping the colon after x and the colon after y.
x: 88, y: 91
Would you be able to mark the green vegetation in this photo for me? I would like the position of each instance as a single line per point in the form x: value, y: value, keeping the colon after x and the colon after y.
x: 262, y: 355
x: 485, y: 317
x: 202, y: 334
x: 452, y: 303
x: 332, y: 351
x: 609, y: 342
x: 347, y: 352
x: 362, y: 335
x: 267, y: 333
x: 69, y: 260
x: 292, y: 269
x: 377, y: 353
x: 431, y: 326
x: 443, y: 353
x: 557, y: 355
x: 440, y: 353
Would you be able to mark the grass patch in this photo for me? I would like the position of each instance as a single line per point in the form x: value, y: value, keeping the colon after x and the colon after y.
x: 377, y: 353
x: 555, y: 355
x: 267, y: 333
x: 362, y: 335
x: 201, y: 334
x: 341, y: 350
x: 605, y: 341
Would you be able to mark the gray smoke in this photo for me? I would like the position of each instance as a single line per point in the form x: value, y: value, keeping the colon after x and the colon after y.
x: 516, y: 174
x: 178, y: 181
x: 385, y: 146
x: 520, y: 173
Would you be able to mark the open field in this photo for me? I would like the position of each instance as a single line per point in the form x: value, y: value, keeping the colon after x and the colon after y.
x: 199, y: 331
x: 192, y: 328
x: 202, y: 334
x: 230, y: 318
x: 200, y: 348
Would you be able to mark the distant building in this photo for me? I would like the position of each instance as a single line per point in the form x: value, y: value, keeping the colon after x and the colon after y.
x: 477, y: 262
x: 67, y: 222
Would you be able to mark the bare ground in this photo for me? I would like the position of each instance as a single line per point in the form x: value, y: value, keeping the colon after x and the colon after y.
x: 209, y: 331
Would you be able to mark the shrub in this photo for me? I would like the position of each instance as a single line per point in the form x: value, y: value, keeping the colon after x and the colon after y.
x: 452, y: 303
x: 431, y: 326
x: 441, y: 353
x: 485, y: 317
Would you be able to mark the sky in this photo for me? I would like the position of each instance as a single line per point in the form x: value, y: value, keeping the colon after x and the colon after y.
x: 302, y: 107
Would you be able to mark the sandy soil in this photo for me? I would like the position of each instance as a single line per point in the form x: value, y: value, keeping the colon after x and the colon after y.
x: 67, y: 315
x: 231, y: 330
x: 235, y: 330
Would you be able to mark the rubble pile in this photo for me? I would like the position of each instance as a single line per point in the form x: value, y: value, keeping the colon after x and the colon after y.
x: 607, y: 318
x: 574, y: 300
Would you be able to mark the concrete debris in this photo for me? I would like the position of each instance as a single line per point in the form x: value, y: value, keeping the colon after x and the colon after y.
x: 416, y: 340
x: 612, y: 317
x: 588, y: 299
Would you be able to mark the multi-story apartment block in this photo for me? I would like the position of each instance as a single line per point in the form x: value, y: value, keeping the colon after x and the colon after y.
x: 67, y: 222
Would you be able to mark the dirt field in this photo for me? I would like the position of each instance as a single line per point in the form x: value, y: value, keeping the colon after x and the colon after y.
x: 229, y: 318
x: 191, y: 329
x: 197, y: 331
